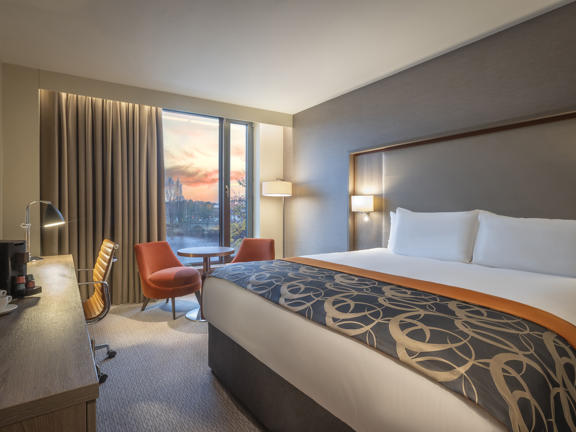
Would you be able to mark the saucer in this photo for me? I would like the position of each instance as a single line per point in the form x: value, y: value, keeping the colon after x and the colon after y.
x: 8, y: 309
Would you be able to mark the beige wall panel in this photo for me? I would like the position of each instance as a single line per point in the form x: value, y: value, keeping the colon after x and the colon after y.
x: 288, y: 170
x: 270, y: 167
x: 21, y: 152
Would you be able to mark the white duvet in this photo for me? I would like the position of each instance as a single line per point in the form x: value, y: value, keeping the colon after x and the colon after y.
x: 364, y: 388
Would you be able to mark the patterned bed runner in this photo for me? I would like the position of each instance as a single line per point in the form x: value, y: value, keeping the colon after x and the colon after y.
x: 508, y: 362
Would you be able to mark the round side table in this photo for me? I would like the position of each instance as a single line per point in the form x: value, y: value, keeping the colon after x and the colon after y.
x: 206, y: 253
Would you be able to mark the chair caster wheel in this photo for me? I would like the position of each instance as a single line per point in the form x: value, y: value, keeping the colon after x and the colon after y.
x: 102, y: 378
x: 111, y: 354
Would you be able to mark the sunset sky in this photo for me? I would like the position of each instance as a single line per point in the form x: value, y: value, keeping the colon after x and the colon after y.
x: 191, y: 154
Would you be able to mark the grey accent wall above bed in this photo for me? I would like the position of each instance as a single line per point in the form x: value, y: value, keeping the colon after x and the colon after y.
x: 523, y: 72
x: 526, y: 172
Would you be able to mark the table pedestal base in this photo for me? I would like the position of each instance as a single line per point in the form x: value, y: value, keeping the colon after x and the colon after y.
x: 195, y: 315
x: 206, y: 253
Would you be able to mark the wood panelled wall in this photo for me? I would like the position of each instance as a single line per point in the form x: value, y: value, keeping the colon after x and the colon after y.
x: 368, y: 180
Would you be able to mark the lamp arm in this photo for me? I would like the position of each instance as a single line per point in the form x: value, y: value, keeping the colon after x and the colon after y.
x: 26, y: 224
x: 27, y: 216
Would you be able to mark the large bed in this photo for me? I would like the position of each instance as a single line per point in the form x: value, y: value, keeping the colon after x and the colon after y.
x: 366, y: 390
x: 295, y: 374
x: 356, y: 384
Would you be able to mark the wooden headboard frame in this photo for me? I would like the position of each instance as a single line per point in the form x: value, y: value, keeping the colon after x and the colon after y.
x: 366, y: 171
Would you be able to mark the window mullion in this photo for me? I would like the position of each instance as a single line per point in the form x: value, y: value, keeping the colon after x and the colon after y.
x: 225, y: 184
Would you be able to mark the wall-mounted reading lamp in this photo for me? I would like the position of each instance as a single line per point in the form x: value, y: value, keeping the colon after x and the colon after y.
x: 52, y: 217
x: 279, y: 188
x: 363, y: 204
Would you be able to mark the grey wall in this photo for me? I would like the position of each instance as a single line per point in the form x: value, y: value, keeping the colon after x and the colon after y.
x: 523, y: 72
x: 525, y: 172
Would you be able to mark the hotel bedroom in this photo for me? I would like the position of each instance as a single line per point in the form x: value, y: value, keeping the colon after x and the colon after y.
x: 303, y: 216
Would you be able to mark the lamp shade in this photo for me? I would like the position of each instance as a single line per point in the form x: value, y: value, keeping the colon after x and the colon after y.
x: 362, y: 203
x: 277, y: 188
x: 52, y: 216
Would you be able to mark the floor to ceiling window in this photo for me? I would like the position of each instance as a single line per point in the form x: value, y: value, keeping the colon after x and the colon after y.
x: 208, y: 177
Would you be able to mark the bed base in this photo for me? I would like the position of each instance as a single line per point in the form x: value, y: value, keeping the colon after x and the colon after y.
x: 270, y: 398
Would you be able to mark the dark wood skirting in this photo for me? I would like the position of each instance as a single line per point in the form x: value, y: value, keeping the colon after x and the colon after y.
x: 275, y: 402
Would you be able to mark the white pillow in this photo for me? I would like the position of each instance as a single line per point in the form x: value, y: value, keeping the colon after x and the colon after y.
x: 536, y: 245
x: 392, y: 236
x: 441, y: 236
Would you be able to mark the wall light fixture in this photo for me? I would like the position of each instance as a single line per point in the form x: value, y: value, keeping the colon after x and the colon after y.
x: 363, y: 204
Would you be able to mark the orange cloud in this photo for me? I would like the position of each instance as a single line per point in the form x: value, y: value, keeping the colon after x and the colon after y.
x: 191, y: 176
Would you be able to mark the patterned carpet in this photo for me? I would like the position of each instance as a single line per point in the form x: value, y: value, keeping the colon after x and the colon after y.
x: 160, y: 379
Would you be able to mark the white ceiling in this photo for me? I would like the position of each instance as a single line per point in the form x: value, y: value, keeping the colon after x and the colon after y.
x: 280, y: 55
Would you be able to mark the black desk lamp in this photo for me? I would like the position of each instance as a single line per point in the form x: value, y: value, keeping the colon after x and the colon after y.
x: 52, y: 217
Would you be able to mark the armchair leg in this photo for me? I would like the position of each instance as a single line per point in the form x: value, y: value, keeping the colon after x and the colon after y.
x: 146, y: 300
x: 167, y: 301
x: 173, y: 308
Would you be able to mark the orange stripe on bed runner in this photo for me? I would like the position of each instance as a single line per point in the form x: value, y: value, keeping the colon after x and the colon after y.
x: 538, y: 316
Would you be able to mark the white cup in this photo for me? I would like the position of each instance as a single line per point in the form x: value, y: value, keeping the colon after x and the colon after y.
x: 3, y: 293
x: 4, y: 300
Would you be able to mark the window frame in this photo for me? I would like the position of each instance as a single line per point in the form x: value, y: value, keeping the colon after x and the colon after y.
x: 225, y: 185
x: 224, y: 189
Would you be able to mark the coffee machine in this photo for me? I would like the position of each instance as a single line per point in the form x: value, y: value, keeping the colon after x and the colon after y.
x: 13, y: 270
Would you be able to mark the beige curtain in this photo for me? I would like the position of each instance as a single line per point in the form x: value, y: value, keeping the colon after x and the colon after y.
x: 102, y: 166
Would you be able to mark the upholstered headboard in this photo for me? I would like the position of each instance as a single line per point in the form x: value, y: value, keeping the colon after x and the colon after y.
x: 528, y: 170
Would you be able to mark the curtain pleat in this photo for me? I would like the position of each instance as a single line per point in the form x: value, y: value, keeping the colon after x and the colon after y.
x: 102, y: 166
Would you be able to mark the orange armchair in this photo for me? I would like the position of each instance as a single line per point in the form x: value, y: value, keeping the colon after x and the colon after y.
x: 255, y: 249
x: 163, y: 276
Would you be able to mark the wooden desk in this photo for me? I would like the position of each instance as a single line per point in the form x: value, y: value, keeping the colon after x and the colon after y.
x: 48, y: 379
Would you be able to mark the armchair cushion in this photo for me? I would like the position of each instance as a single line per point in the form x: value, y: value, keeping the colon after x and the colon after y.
x: 174, y: 277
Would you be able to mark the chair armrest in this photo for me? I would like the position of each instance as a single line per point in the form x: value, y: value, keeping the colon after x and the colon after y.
x: 79, y: 270
x: 94, y: 282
